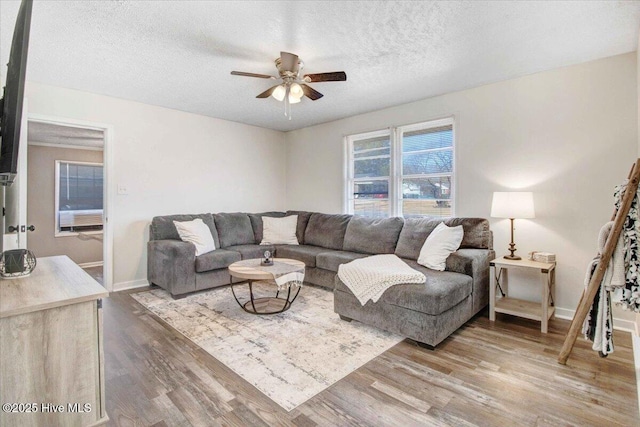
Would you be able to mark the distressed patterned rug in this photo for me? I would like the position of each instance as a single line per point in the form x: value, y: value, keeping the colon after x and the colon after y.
x: 291, y: 356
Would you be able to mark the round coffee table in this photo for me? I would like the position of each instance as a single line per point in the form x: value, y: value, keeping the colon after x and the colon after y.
x: 251, y: 270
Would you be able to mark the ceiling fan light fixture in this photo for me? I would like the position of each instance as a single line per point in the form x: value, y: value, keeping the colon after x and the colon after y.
x: 296, y: 91
x: 279, y: 93
x: 293, y: 84
x: 293, y: 99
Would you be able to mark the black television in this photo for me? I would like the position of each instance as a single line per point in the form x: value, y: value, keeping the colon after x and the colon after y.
x: 11, y: 103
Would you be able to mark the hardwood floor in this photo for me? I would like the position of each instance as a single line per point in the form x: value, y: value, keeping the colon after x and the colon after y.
x: 96, y: 273
x: 485, y: 374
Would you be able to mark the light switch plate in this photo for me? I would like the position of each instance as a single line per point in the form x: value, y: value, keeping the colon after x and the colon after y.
x: 123, y: 190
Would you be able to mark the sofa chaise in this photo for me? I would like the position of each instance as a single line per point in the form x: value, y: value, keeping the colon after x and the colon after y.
x: 426, y: 313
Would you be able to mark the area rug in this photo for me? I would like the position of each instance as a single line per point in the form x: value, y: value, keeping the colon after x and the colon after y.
x: 291, y: 356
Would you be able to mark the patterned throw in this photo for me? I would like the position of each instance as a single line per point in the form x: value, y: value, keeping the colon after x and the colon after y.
x: 630, y: 294
x: 284, y: 274
x: 368, y: 278
x: 622, y: 277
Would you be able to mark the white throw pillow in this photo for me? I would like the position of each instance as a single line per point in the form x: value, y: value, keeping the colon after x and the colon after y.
x: 439, y: 245
x: 198, y: 233
x: 279, y: 231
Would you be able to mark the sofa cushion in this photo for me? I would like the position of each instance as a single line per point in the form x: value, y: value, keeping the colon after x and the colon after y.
x: 234, y: 229
x: 256, y: 223
x: 198, y: 233
x: 220, y: 258
x: 251, y: 251
x: 415, y: 231
x: 303, y: 220
x: 413, y: 235
x: 372, y: 235
x: 477, y: 234
x: 326, y: 230
x: 162, y: 227
x: 441, y: 243
x: 279, y: 231
x: 441, y: 291
x: 331, y: 260
x: 304, y: 253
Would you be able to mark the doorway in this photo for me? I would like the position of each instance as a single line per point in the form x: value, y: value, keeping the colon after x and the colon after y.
x: 67, y: 197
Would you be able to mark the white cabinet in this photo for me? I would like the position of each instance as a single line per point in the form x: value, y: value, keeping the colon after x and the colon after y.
x: 51, y: 355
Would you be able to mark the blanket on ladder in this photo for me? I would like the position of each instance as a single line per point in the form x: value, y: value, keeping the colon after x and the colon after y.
x: 368, y: 278
x: 622, y: 277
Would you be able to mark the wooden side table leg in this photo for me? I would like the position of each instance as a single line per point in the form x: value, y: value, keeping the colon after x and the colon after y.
x: 545, y: 302
x: 492, y: 295
x: 552, y: 294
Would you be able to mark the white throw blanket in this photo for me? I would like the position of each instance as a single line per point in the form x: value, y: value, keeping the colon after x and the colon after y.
x: 368, y: 278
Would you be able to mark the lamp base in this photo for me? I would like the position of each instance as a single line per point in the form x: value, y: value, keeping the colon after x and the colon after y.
x: 512, y: 247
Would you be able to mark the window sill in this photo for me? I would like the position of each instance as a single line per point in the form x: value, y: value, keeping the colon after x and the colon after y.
x: 76, y: 233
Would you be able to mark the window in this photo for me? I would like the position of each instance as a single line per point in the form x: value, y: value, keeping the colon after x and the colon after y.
x: 370, y: 171
x: 403, y: 171
x: 79, y: 197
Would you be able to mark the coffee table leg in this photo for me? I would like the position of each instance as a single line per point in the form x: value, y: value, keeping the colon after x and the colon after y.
x: 234, y: 292
x: 251, y: 295
x: 286, y: 304
x: 295, y: 296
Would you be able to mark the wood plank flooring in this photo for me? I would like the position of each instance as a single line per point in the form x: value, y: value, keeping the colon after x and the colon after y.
x: 501, y: 374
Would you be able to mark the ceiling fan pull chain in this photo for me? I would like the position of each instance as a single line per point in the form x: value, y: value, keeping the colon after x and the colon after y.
x: 287, y: 104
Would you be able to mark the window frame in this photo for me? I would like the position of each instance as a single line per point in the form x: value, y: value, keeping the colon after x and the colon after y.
x: 57, y: 231
x: 350, y: 167
x: 396, y: 136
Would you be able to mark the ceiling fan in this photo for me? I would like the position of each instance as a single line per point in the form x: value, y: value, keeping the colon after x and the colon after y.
x: 294, y: 85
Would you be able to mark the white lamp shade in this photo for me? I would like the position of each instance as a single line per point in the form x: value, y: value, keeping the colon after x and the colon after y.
x: 296, y: 91
x: 279, y: 92
x: 512, y: 204
x: 293, y: 99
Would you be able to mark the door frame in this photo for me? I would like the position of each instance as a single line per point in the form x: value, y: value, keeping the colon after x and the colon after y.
x: 108, y: 190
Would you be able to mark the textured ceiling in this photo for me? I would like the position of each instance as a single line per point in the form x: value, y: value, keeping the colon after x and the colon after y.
x: 179, y: 54
x: 47, y: 133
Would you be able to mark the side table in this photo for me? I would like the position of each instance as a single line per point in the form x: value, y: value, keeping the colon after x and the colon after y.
x: 542, y: 311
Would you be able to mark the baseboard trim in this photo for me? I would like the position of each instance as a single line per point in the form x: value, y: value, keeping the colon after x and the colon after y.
x: 618, y: 324
x: 636, y: 358
x: 91, y: 264
x: 123, y: 286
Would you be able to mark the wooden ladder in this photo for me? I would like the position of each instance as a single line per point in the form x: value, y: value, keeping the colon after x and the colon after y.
x: 589, y: 294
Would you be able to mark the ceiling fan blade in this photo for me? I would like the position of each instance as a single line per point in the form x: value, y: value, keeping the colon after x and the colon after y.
x: 335, y: 76
x: 289, y: 62
x: 311, y: 93
x: 267, y: 93
x: 260, y: 76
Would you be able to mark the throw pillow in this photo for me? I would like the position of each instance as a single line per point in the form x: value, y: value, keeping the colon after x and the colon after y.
x: 196, y: 232
x: 279, y: 231
x: 439, y: 245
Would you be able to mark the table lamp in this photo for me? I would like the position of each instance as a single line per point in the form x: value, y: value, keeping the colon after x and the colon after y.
x: 512, y: 205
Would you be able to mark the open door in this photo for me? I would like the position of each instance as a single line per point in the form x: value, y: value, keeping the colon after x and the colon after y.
x: 15, y: 198
x: 67, y: 193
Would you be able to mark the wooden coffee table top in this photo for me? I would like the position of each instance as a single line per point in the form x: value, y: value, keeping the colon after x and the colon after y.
x: 251, y: 269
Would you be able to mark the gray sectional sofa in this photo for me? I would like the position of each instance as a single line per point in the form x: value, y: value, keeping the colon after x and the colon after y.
x: 426, y: 313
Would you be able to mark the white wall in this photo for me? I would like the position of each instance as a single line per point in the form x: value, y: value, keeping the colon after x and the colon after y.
x: 569, y: 135
x: 171, y: 162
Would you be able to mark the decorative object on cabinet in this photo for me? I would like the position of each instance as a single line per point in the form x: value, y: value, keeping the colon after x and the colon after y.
x: 16, y: 263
